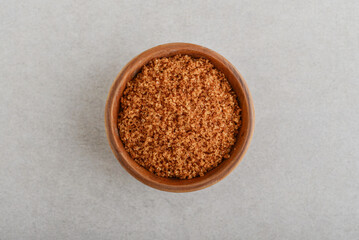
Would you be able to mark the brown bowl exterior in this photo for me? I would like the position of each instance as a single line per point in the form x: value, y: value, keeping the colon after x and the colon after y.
x: 169, y: 184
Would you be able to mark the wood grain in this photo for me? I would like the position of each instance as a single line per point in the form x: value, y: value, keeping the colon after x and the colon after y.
x: 168, y: 184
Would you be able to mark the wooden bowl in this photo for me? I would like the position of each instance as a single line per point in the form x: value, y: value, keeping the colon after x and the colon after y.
x: 170, y: 184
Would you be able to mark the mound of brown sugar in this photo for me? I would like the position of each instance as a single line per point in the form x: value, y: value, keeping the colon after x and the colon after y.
x: 179, y: 117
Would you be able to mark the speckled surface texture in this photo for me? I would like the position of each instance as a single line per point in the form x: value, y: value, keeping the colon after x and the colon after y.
x: 60, y: 180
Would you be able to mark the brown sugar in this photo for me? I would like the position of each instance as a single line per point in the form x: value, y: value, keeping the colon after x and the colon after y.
x: 179, y: 117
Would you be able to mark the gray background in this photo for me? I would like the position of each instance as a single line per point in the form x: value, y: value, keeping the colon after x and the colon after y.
x: 60, y: 180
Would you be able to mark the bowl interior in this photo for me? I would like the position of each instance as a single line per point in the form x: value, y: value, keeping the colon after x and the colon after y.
x: 243, y: 138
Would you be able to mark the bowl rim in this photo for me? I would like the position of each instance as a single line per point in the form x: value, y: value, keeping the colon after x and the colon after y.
x: 137, y: 171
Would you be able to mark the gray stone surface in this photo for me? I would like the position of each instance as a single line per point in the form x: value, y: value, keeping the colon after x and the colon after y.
x: 59, y: 179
